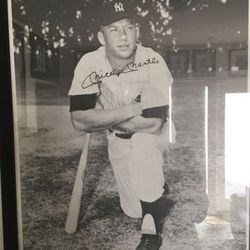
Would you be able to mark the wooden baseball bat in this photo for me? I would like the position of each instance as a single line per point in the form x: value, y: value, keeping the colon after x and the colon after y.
x: 75, y: 201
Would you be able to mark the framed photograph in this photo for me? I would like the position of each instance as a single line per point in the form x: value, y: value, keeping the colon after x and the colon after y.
x: 204, y: 62
x: 114, y: 147
x: 178, y: 62
x: 238, y: 62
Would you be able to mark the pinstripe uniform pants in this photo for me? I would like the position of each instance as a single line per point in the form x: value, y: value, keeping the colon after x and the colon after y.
x: 138, y: 168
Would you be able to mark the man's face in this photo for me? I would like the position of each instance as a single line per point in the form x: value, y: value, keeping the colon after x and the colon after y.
x: 119, y: 38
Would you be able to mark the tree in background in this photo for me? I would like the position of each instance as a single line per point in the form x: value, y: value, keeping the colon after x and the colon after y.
x: 66, y: 23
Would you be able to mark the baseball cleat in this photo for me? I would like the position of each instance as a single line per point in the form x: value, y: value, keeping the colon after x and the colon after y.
x: 150, y: 242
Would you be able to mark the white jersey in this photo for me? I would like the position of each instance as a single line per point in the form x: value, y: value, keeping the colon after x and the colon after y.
x: 142, y: 153
x: 94, y: 74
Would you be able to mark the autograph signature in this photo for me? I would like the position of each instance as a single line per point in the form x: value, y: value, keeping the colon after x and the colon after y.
x: 94, y: 78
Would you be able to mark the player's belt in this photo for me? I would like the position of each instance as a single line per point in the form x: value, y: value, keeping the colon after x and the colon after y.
x: 122, y: 136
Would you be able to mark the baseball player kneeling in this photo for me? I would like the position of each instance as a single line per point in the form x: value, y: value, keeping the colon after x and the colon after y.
x: 123, y: 87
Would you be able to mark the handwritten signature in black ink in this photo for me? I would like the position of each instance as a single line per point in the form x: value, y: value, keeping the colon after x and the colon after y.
x: 95, y: 78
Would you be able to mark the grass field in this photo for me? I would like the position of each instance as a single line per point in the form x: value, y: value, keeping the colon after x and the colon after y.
x: 48, y: 163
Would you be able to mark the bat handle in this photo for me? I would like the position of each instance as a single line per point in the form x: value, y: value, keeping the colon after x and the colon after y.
x: 76, y: 197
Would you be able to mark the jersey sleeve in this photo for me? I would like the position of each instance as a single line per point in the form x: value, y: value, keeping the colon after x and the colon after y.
x: 160, y: 79
x: 83, y: 82
x: 82, y: 102
x: 156, y: 112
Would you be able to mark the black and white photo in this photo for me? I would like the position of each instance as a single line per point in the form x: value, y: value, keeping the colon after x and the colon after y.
x: 124, y: 123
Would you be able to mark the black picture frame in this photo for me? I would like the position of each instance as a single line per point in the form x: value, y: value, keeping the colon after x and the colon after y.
x: 204, y: 62
x: 178, y: 62
x: 9, y: 237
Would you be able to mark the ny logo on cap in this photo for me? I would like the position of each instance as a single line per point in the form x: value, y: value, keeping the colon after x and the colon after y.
x: 118, y: 7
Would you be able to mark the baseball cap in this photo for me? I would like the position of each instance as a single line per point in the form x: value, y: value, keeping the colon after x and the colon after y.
x: 115, y: 10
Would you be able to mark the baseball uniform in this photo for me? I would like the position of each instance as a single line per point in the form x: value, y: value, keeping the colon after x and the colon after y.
x: 137, y: 159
